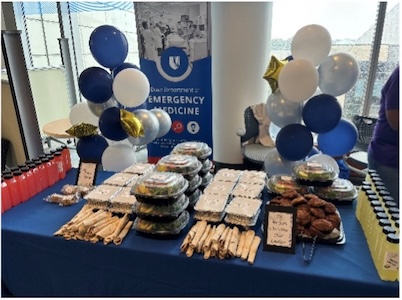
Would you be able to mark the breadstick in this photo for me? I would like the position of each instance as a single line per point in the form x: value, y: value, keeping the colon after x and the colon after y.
x: 207, y: 254
x: 207, y: 243
x: 247, y: 243
x: 93, y: 231
x: 203, y: 238
x: 188, y: 238
x: 253, y: 249
x: 198, y: 234
x: 119, y: 239
x: 234, y: 240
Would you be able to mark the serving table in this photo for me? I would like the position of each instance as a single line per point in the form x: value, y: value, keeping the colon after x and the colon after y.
x: 36, y: 263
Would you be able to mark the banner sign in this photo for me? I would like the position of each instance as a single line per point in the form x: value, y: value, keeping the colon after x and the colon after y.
x: 175, y: 56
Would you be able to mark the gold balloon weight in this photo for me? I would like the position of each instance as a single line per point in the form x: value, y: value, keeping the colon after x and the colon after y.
x: 272, y: 73
x: 82, y: 130
x: 131, y: 124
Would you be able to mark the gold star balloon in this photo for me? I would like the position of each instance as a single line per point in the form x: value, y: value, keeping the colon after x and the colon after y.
x: 131, y: 124
x: 82, y: 130
x: 272, y: 73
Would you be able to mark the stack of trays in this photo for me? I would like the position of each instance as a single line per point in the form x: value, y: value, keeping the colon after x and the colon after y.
x: 201, y: 151
x: 122, y: 201
x: 188, y: 166
x: 161, y: 203
x: 313, y: 173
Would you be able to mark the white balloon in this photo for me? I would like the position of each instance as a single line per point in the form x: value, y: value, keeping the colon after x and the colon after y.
x: 131, y: 87
x: 311, y: 42
x: 118, y: 157
x: 338, y: 74
x: 80, y: 113
x: 273, y: 130
x: 165, y: 122
x: 325, y: 159
x: 298, y: 80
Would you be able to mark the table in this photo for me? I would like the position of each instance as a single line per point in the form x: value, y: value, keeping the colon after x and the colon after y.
x: 35, y: 263
x: 56, y: 130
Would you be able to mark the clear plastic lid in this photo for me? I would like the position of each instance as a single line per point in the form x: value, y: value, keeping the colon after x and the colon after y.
x: 341, y: 189
x: 194, y: 183
x: 314, y: 171
x: 198, y: 149
x: 206, y: 166
x: 160, y: 185
x: 283, y: 182
x: 179, y: 163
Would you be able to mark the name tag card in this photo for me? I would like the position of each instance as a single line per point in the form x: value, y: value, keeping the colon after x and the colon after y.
x: 280, y: 229
x: 86, y: 175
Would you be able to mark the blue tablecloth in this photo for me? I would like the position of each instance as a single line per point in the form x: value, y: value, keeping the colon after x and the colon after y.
x: 36, y: 263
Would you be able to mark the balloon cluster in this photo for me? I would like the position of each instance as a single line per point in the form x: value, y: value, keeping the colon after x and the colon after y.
x: 115, y: 94
x: 303, y: 100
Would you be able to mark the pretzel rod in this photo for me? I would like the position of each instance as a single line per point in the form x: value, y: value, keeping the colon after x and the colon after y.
x: 119, y: 239
x: 198, y: 234
x: 241, y: 244
x: 98, y: 224
x: 188, y: 238
x: 207, y: 254
x: 247, y: 244
x: 253, y: 249
x: 234, y: 239
x: 96, y: 229
x: 203, y: 238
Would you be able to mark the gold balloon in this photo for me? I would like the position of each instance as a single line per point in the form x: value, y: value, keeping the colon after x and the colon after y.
x: 131, y: 124
x: 272, y: 73
x: 82, y: 130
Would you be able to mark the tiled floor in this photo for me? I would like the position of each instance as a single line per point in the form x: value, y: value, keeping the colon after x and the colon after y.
x: 142, y: 155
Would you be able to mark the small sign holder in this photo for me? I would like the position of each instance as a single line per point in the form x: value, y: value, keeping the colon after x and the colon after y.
x: 86, y: 175
x: 280, y: 229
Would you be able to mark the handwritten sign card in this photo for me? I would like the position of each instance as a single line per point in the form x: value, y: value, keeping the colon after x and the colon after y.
x: 280, y: 229
x: 86, y: 175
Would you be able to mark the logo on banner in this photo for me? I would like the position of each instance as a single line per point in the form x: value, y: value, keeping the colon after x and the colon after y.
x: 174, y: 65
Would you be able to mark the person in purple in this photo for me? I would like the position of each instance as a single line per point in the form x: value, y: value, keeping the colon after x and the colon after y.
x: 383, y: 151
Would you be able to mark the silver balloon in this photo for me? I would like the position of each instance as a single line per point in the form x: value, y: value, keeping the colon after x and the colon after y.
x: 275, y: 164
x: 282, y: 111
x: 165, y: 122
x: 151, y: 127
x: 98, y: 108
x: 338, y: 73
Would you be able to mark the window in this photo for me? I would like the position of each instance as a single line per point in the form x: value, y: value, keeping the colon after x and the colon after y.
x: 352, y: 26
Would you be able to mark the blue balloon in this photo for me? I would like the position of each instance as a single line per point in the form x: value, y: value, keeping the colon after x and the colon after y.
x: 108, y: 46
x: 322, y: 113
x: 110, y: 126
x: 125, y: 65
x: 91, y: 148
x: 339, y: 140
x: 95, y: 84
x: 294, y: 142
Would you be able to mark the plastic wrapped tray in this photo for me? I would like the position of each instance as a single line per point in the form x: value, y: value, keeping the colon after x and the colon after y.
x: 227, y: 175
x: 313, y: 173
x: 186, y: 165
x: 120, y: 179
x: 140, y: 168
x: 340, y: 190
x: 277, y: 184
x: 161, y: 213
x: 160, y: 185
x: 219, y: 188
x: 243, y: 211
x: 247, y: 190
x: 253, y: 177
x: 155, y: 229
x: 198, y: 149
